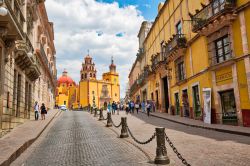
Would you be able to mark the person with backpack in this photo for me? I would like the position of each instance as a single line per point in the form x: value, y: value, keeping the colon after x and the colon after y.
x: 137, y: 106
x: 36, y: 109
x: 43, y: 111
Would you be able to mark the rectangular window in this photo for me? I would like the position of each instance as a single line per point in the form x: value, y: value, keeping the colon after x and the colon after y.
x: 196, y: 99
x: 222, y: 49
x: 19, y: 79
x: 179, y: 28
x: 181, y: 75
x: 229, y: 115
x: 177, y: 103
x: 14, y: 94
x: 228, y: 103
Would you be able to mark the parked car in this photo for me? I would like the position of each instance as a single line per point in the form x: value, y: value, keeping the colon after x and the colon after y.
x: 63, y: 108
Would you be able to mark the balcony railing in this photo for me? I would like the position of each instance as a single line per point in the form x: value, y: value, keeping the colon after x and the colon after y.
x: 210, y: 12
x: 16, y: 14
x: 140, y: 53
x: 44, y: 56
x: 157, y: 60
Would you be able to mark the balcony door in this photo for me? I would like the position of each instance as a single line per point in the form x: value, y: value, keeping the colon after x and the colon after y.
x: 166, y: 97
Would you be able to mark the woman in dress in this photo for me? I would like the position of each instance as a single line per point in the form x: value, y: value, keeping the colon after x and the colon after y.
x: 43, y: 111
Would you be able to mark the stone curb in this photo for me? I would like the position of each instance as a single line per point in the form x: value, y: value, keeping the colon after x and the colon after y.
x: 20, y: 150
x: 203, y: 127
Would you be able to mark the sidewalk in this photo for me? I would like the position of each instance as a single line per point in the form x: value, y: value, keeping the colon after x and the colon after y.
x: 196, y: 149
x: 21, y: 137
x: 239, y: 130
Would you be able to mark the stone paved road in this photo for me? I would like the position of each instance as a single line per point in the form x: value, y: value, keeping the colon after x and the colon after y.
x: 77, y: 139
x: 200, y: 147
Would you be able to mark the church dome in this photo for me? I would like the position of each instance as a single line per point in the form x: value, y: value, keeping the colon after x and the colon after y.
x: 65, y: 79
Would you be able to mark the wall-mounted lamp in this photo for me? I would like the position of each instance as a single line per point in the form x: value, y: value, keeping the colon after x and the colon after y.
x: 3, y: 11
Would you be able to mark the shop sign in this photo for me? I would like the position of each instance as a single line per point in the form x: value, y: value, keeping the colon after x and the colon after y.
x: 224, y: 77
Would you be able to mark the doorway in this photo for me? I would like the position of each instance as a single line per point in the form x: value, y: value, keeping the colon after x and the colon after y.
x: 185, y: 103
x: 157, y: 99
x: 177, y: 103
x: 229, y: 115
x: 166, y: 97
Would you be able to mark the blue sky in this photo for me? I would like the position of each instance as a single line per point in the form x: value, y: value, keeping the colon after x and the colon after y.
x: 108, y: 28
x: 147, y: 7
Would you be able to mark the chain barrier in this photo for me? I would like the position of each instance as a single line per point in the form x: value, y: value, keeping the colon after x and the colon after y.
x: 184, y: 161
x: 140, y: 142
x: 117, y: 126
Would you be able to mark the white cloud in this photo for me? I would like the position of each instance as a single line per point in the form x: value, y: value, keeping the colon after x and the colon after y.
x: 77, y: 25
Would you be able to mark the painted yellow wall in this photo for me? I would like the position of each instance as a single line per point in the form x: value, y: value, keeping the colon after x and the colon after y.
x: 95, y: 89
x: 83, y: 93
x: 242, y: 81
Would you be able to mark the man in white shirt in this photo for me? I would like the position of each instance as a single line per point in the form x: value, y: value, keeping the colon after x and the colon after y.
x: 36, y: 109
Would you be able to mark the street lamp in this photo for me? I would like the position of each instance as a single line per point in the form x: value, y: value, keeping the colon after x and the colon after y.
x: 3, y: 11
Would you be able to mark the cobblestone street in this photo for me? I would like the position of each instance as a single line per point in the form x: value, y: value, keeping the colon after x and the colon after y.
x: 77, y: 139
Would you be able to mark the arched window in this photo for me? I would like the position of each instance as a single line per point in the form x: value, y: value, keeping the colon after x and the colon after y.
x: 90, y: 74
x: 94, y: 75
x: 86, y: 75
x: 82, y: 76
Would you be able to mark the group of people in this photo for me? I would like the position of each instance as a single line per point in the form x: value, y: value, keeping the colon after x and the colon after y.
x: 144, y: 106
x: 114, y: 107
x: 41, y: 110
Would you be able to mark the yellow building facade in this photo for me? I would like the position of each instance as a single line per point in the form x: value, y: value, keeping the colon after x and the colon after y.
x: 197, y: 61
x: 93, y: 91
x: 67, y: 92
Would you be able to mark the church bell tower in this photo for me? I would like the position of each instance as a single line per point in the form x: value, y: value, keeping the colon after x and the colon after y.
x: 88, y: 71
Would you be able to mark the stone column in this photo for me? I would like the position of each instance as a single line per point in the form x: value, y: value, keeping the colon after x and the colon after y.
x: 245, y: 48
x: 1, y: 85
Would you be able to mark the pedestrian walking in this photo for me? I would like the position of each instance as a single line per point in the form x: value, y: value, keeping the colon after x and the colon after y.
x: 113, y: 108
x: 127, y: 108
x: 43, y: 111
x: 105, y: 105
x: 137, y: 106
x: 118, y: 108
x: 36, y: 109
x: 143, y: 106
x: 148, y: 106
x: 109, y: 107
x: 132, y: 105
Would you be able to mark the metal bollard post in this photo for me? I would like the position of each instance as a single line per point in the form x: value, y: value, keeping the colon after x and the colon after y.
x: 95, y: 115
x: 91, y: 112
x: 161, y: 150
x: 101, y: 115
x: 109, y: 121
x: 124, y: 131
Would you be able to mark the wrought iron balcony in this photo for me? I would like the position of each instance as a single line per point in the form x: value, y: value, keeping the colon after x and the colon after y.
x: 33, y: 72
x: 157, y: 61
x: 140, y: 53
x: 175, y: 46
x: 44, y: 56
x: 214, y: 10
x: 134, y: 88
x: 15, y: 18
